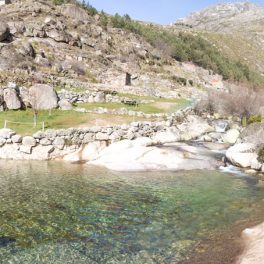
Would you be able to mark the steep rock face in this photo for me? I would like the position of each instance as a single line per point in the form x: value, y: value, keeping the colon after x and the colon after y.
x: 235, y: 28
x: 226, y: 17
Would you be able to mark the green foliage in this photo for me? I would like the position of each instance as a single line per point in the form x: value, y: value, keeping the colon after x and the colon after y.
x: 261, y: 156
x: 244, y: 121
x: 87, y: 6
x: 186, y: 47
x: 103, y: 20
x: 59, y: 2
x: 254, y: 119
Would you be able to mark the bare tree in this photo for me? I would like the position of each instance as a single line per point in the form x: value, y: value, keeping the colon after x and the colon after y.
x: 42, y: 97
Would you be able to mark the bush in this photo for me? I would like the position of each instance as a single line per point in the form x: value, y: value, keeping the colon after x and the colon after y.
x: 261, y: 156
x: 87, y: 6
x: 254, y: 119
x: 58, y: 2
x: 104, y: 20
x: 240, y: 101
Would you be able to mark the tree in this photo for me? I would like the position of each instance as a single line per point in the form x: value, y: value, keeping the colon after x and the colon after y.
x: 42, y: 97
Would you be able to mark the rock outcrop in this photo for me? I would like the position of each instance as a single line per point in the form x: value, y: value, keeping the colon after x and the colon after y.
x: 232, y: 27
x: 254, y: 133
x: 11, y: 99
x: 243, y: 155
x: 139, y: 155
x: 226, y: 17
x: 254, y: 245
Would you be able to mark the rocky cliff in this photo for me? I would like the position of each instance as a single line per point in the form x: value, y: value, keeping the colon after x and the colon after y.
x: 236, y: 28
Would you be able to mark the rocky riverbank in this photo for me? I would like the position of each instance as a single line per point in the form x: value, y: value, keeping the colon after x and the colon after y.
x: 248, y: 153
x: 253, y: 239
x: 182, y: 126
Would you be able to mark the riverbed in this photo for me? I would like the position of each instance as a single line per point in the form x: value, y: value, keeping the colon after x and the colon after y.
x: 55, y: 212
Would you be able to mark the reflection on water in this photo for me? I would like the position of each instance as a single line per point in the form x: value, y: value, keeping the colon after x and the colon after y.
x: 63, y: 213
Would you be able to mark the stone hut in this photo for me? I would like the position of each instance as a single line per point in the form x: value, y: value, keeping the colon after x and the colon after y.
x: 5, y: 2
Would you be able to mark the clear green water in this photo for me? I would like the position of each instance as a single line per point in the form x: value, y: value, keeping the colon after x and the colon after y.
x: 65, y: 213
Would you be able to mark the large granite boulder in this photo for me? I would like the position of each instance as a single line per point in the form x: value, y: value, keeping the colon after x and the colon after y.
x: 29, y: 141
x: 254, y: 133
x: 172, y: 135
x: 243, y: 155
x: 139, y: 155
x: 64, y: 104
x: 75, y: 12
x: 231, y: 136
x: 99, y: 98
x: 43, y: 97
x: 12, y: 99
x: 58, y: 35
x: 194, y: 127
x: 6, y: 133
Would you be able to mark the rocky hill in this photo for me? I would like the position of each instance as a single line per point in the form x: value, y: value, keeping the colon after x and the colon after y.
x: 67, y: 45
x: 227, y: 17
x: 237, y: 29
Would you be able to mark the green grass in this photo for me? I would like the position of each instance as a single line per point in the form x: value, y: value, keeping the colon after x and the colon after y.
x: 59, y: 119
x: 146, y: 108
x: 151, y: 108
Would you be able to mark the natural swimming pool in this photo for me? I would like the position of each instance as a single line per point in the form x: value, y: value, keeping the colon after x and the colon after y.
x: 54, y: 212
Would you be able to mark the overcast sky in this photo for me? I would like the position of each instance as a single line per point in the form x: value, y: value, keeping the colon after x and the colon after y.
x: 159, y: 11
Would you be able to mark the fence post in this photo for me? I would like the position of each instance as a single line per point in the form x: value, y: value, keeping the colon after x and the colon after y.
x: 5, y: 123
x: 43, y: 126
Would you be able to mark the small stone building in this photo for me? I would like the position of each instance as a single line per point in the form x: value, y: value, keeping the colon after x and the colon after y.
x: 5, y: 2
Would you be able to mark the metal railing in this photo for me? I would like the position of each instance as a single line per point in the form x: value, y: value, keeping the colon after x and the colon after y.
x: 22, y: 123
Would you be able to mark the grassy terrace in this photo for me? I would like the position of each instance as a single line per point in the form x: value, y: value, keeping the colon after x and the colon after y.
x: 60, y: 119
x: 158, y: 106
x: 66, y: 119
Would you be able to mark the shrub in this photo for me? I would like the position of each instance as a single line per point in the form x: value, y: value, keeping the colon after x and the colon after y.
x: 58, y: 2
x: 242, y: 101
x: 261, y: 155
x: 87, y: 6
x: 254, y: 119
x: 104, y: 20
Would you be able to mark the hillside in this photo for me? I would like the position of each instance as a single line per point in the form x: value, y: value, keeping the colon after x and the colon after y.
x: 68, y: 45
x: 237, y: 30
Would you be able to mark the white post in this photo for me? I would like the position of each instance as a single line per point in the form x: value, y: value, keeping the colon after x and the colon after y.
x: 43, y: 126
x: 5, y: 123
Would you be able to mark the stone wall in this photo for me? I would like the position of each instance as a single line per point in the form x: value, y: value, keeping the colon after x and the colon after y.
x: 58, y: 144
x: 55, y: 143
x: 95, y: 97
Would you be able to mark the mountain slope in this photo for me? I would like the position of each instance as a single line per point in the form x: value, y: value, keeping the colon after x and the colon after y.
x: 66, y: 45
x: 228, y: 18
x: 237, y: 29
